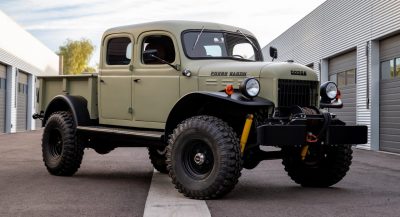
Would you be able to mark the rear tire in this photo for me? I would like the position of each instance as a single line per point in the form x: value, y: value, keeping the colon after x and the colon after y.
x: 323, y: 167
x: 203, y: 158
x: 62, y: 154
x: 158, y: 159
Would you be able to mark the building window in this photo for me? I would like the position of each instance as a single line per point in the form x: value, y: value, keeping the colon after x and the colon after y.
x: 344, y: 78
x: 350, y: 77
x: 341, y: 79
x: 387, y: 69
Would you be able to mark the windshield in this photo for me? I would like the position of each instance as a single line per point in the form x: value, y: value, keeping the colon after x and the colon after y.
x: 217, y: 45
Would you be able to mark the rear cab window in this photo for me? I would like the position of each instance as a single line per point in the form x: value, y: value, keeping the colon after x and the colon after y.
x: 119, y: 51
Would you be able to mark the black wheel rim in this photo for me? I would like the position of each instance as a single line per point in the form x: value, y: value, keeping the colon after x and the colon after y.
x: 55, y: 143
x: 198, y: 159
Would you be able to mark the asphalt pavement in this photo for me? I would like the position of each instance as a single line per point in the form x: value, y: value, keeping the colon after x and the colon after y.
x: 117, y: 184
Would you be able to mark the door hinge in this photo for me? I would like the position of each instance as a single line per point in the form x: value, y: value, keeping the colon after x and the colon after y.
x: 130, y: 110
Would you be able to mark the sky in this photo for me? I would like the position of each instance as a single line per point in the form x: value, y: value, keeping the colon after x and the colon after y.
x: 54, y: 21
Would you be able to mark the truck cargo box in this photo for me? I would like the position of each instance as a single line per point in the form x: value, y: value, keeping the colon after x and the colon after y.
x: 75, y: 85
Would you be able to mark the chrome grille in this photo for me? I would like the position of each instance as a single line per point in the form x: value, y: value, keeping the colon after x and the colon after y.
x: 297, y: 92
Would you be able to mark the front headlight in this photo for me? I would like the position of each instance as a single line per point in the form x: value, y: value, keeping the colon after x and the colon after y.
x: 328, y: 90
x: 250, y: 87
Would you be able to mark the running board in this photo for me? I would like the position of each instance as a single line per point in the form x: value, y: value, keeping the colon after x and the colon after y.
x: 121, y: 137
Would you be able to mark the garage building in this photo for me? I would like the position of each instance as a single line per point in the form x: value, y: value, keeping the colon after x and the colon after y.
x: 22, y: 59
x: 356, y: 44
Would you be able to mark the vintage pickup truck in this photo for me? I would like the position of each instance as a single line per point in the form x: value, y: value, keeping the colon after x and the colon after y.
x: 201, y: 98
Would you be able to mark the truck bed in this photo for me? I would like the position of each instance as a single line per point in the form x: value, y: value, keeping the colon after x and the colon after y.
x: 83, y: 85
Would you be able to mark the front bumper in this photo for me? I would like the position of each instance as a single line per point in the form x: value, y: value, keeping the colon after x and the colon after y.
x: 279, y: 135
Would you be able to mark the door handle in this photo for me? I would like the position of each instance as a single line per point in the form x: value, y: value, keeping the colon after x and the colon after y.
x: 102, y: 81
x: 136, y: 80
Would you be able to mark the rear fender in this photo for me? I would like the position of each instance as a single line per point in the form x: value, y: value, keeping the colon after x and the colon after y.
x: 77, y: 105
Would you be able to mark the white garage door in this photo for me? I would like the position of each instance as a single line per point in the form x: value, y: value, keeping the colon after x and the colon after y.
x: 3, y: 74
x: 342, y: 70
x: 389, y: 132
x: 22, y: 101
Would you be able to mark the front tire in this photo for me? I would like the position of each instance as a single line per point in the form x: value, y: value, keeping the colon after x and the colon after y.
x: 324, y: 166
x: 62, y: 154
x: 203, y: 157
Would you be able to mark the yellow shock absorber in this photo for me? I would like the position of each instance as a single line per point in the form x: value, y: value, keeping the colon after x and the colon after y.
x: 304, y: 151
x: 246, y: 131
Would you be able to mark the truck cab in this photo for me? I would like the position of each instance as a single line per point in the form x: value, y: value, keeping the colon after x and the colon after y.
x: 142, y: 83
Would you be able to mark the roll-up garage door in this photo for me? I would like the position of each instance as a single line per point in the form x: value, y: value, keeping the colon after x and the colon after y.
x: 3, y: 77
x: 342, y: 70
x: 22, y: 101
x: 389, y: 133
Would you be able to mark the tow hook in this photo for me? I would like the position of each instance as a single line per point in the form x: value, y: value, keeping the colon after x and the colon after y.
x: 310, y: 138
x: 246, y: 131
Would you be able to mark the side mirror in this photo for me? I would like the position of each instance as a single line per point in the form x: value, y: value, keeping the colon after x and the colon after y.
x: 149, y: 55
x: 273, y: 52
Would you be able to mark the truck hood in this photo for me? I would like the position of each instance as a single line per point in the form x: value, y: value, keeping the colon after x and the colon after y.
x: 272, y: 70
x: 215, y: 76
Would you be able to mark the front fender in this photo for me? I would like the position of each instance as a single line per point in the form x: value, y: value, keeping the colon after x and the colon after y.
x: 192, y: 103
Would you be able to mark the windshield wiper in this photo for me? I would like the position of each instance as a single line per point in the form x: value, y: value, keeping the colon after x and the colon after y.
x: 251, y: 42
x: 198, y: 37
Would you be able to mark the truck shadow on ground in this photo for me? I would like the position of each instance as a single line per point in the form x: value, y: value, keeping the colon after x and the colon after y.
x: 114, y: 176
x: 269, y: 191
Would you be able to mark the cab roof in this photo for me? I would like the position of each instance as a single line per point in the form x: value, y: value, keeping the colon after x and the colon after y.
x: 176, y: 27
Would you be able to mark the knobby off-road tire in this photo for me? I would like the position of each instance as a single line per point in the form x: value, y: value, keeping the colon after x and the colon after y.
x: 325, y: 167
x: 158, y: 159
x: 62, y: 154
x: 203, y: 158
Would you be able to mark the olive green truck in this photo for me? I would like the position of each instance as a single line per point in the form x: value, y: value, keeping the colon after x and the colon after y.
x: 201, y: 98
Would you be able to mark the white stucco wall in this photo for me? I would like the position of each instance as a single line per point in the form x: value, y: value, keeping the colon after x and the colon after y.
x: 20, y: 49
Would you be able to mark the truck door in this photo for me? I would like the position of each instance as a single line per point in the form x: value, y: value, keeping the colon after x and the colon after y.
x: 115, y: 80
x: 156, y: 85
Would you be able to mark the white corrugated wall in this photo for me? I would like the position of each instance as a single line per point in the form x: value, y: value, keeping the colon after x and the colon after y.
x: 337, y: 26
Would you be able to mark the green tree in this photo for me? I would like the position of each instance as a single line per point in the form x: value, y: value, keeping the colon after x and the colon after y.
x: 76, y: 55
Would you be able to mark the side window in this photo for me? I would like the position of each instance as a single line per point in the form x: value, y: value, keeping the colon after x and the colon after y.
x: 119, y: 51
x: 164, y: 46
